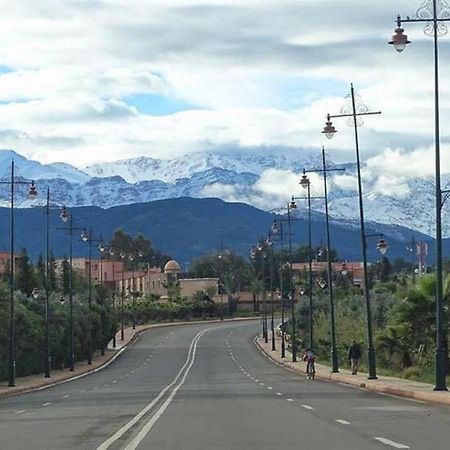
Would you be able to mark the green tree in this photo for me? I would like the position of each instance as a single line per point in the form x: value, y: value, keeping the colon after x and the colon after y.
x: 65, y: 276
x: 25, y: 278
x: 384, y: 269
x: 41, y: 275
x: 52, y: 278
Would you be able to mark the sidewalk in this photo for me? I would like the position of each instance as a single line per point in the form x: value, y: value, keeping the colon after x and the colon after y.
x: 386, y: 385
x: 38, y: 382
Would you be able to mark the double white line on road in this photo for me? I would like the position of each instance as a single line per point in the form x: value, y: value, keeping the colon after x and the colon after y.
x: 175, y: 384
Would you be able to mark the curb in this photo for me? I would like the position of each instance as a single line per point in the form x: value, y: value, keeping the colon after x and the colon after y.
x: 441, y: 398
x: 114, y: 355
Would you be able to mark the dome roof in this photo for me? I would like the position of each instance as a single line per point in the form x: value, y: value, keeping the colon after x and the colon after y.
x: 172, y: 267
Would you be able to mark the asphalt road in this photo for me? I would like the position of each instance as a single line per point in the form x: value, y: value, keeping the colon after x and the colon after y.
x: 204, y: 387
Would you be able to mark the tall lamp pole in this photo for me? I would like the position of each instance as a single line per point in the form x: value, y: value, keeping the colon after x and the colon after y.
x: 355, y: 110
x: 412, y: 247
x: 434, y: 13
x: 32, y: 193
x: 261, y: 248
x: 87, y: 238
x: 68, y: 217
x: 133, y: 304
x: 292, y: 205
x: 112, y: 254
x: 269, y: 243
x: 277, y: 230
x: 221, y: 282
x: 122, y: 295
x: 306, y: 184
x: 47, y: 362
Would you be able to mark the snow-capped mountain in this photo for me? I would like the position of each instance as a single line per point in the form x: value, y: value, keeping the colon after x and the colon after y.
x: 30, y: 169
x: 230, y: 176
x: 144, y: 168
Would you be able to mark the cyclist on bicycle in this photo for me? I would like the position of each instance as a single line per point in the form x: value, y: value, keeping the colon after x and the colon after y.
x: 310, y: 359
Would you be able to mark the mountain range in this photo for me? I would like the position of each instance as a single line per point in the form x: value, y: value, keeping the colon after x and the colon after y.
x: 186, y: 228
x: 234, y: 175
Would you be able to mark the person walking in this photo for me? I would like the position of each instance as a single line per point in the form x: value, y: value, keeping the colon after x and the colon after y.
x: 354, y: 355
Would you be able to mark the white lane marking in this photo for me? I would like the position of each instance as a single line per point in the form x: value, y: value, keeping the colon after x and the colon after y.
x: 149, y: 425
x: 119, y: 433
x: 66, y: 396
x: 21, y: 411
x: 307, y: 407
x: 290, y: 399
x: 261, y: 384
x: 47, y: 403
x: 343, y: 422
x: 390, y: 443
x: 279, y: 394
x: 114, y: 381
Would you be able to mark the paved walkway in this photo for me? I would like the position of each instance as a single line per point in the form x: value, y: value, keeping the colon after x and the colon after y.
x: 386, y: 385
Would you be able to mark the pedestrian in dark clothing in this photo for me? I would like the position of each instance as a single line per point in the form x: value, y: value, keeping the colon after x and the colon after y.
x: 354, y: 355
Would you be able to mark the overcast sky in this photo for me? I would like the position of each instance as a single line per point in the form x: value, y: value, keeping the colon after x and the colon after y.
x: 83, y: 81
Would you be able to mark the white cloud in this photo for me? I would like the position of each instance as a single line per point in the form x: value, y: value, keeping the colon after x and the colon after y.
x: 73, y: 62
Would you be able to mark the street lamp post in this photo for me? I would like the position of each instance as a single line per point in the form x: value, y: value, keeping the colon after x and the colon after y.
x: 269, y: 243
x: 221, y: 284
x: 283, y: 332
x: 254, y: 252
x: 112, y: 254
x: 292, y: 205
x: 122, y: 295
x: 355, y: 110
x: 262, y: 249
x: 32, y: 193
x: 305, y: 183
x: 412, y: 247
x: 86, y: 236
x: 47, y: 362
x: 434, y: 13
x: 277, y: 230
x: 101, y: 248
x: 133, y: 304
x: 68, y: 217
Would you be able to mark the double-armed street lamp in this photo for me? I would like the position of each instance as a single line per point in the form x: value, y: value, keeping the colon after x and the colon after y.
x: 434, y: 14
x: 132, y: 290
x: 67, y: 217
x: 221, y: 284
x: 122, y: 295
x: 278, y: 231
x: 291, y: 206
x: 112, y: 255
x: 355, y: 110
x: 258, y: 252
x: 412, y: 248
x: 47, y: 360
x: 32, y: 194
x: 306, y: 184
x: 276, y: 235
x: 87, y: 237
x: 269, y: 243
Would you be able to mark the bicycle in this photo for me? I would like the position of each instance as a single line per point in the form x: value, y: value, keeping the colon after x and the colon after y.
x: 311, y: 371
